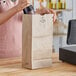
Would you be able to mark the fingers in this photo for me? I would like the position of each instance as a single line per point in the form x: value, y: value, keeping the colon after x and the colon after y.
x: 42, y: 11
x: 22, y: 4
x: 54, y: 14
x: 47, y: 11
x: 52, y: 11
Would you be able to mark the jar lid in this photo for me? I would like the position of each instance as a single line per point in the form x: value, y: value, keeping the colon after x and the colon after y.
x: 28, y: 9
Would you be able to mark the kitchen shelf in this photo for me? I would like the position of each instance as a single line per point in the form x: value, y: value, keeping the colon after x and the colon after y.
x: 62, y: 10
x: 59, y: 34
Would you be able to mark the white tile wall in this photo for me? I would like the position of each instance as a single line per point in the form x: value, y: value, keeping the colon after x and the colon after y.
x: 74, y: 9
x: 61, y: 41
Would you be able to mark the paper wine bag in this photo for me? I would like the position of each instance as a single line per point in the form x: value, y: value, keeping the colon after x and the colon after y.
x: 37, y: 41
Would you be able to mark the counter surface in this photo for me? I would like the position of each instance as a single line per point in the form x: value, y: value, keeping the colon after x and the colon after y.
x: 13, y: 67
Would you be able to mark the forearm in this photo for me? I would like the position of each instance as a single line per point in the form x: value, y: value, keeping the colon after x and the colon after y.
x: 7, y: 15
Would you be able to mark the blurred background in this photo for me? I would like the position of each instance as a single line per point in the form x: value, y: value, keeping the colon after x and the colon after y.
x: 65, y: 10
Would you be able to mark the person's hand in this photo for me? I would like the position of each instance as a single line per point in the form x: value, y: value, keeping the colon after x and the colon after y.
x: 47, y: 11
x: 42, y: 11
x: 22, y: 4
x: 54, y: 14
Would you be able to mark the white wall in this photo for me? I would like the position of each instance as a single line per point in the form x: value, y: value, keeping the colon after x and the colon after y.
x: 67, y: 15
x: 60, y: 41
x: 71, y: 4
x: 74, y: 9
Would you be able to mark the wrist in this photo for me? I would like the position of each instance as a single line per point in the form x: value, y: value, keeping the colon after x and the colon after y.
x: 20, y: 8
x: 17, y: 8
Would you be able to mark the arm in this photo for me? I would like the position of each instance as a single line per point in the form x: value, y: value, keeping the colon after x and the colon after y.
x: 8, y: 14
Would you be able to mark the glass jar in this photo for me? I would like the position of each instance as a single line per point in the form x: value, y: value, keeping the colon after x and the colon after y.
x: 29, y: 10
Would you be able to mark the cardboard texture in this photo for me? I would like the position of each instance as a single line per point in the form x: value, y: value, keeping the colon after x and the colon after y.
x: 37, y: 37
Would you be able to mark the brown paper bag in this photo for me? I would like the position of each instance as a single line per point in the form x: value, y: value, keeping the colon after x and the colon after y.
x: 37, y: 41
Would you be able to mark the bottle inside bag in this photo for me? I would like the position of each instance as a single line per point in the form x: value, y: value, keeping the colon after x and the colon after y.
x: 29, y: 10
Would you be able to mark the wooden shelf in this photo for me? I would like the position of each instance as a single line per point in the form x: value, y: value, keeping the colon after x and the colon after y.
x: 59, y: 34
x: 61, y: 10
